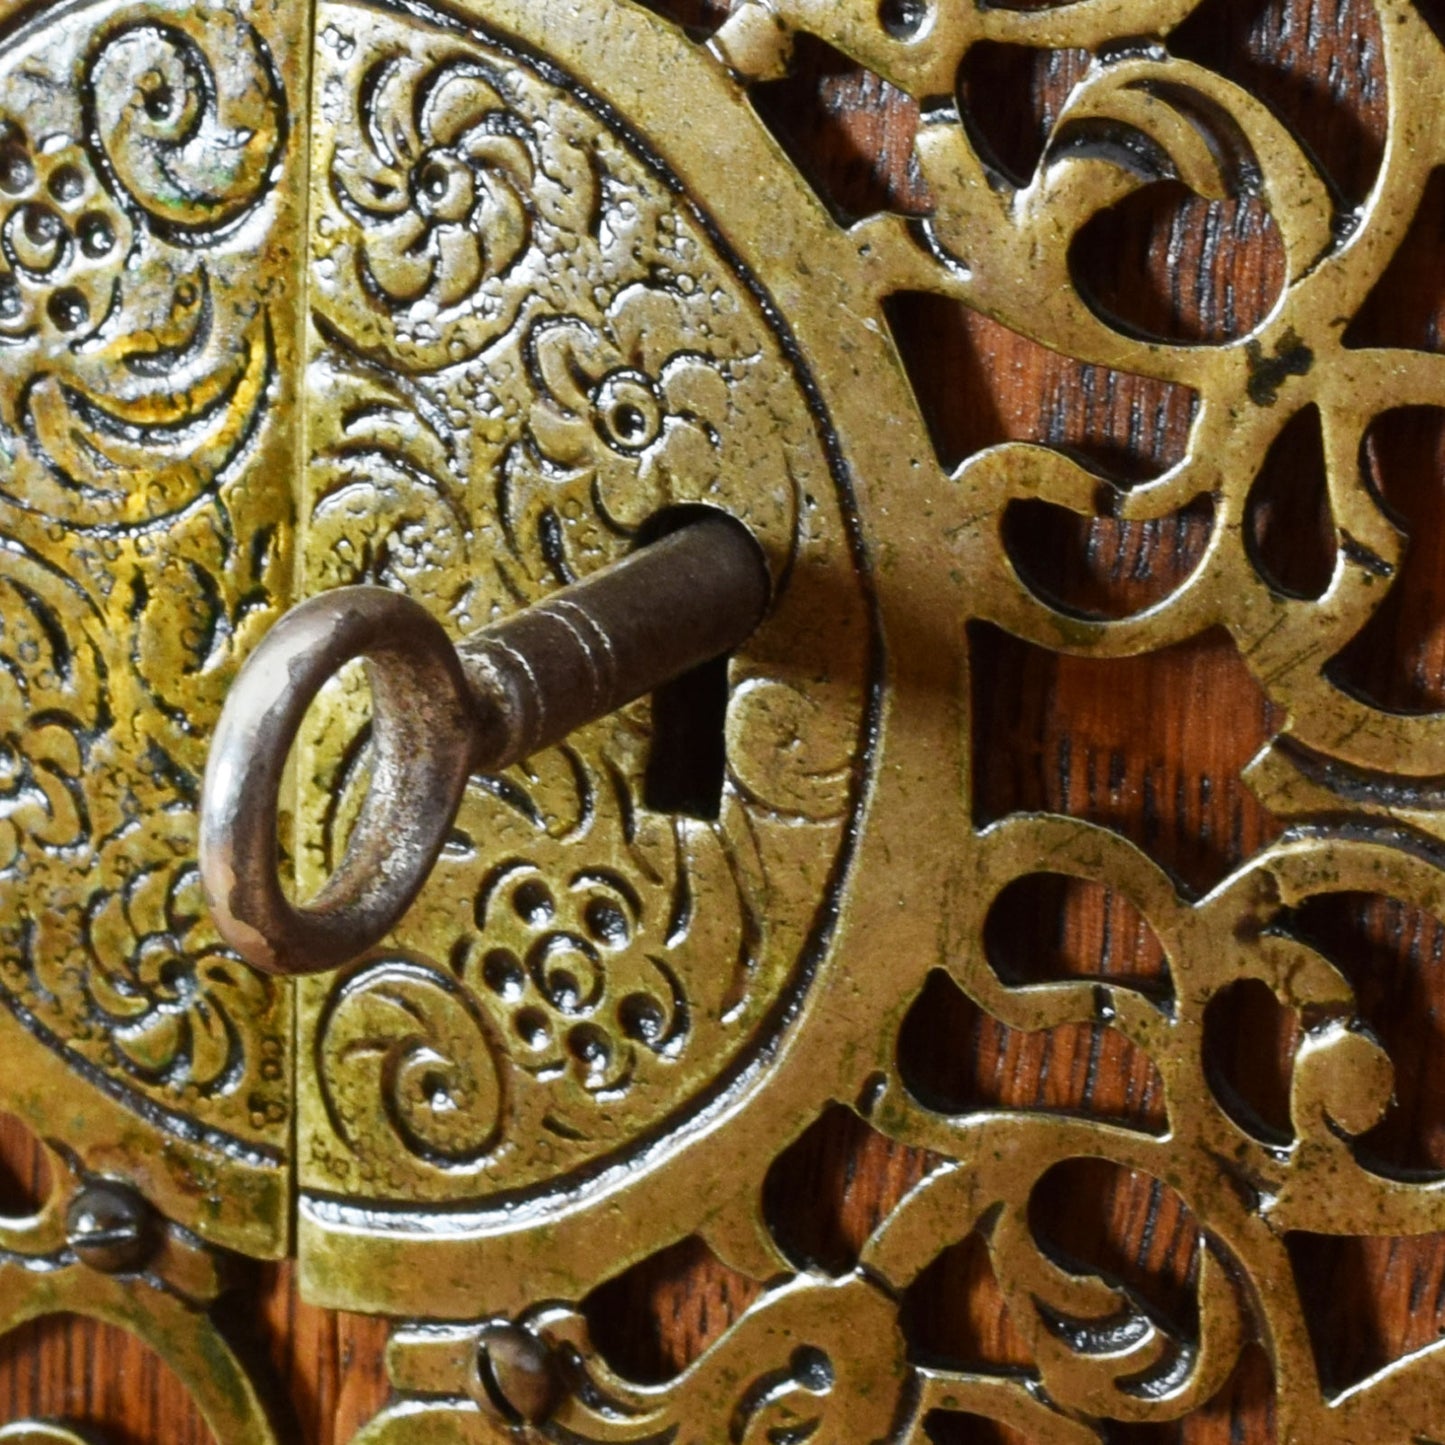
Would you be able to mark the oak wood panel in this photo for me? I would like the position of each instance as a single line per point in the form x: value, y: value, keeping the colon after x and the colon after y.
x: 1151, y: 746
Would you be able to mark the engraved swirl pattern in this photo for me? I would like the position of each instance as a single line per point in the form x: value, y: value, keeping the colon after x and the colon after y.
x: 144, y: 533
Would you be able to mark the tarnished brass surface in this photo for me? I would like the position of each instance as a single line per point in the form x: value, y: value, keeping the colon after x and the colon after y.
x: 609, y: 1012
x: 149, y: 154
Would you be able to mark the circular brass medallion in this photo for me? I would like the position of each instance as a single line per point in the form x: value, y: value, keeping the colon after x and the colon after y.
x: 530, y: 350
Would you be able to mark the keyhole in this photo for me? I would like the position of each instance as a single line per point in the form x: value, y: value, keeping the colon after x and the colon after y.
x: 688, y: 760
x: 687, y: 763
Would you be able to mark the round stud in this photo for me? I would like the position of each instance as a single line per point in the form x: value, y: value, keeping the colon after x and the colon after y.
x: 109, y: 1226
x: 520, y: 1374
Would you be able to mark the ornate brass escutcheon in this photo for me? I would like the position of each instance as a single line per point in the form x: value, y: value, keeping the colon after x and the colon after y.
x: 504, y: 344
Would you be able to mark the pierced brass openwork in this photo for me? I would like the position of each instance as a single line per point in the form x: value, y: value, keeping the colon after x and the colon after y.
x: 456, y: 302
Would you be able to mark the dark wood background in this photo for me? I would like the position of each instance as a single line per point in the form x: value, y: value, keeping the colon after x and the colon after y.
x: 1151, y: 746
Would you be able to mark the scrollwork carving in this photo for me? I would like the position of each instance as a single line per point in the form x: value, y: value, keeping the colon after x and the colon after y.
x: 546, y: 313
x: 532, y: 367
x: 146, y: 158
x: 190, y: 114
x: 407, y: 1055
x: 148, y: 458
x: 785, y: 1371
x: 50, y: 701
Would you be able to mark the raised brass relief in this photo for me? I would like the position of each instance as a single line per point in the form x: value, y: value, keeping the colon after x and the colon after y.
x: 533, y: 346
x: 560, y: 279
x: 147, y: 424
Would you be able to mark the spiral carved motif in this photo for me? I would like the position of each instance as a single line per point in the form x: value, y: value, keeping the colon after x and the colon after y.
x: 190, y: 117
x: 416, y: 1065
x: 146, y: 431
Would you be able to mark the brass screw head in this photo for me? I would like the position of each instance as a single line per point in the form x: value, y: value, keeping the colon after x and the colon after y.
x: 109, y: 1227
x: 520, y: 1374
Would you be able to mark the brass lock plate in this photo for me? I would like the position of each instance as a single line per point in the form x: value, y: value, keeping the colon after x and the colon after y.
x: 555, y: 276
x: 149, y: 417
x: 532, y: 342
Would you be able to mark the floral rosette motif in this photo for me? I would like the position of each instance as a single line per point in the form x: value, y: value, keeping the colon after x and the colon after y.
x: 173, y: 1002
x: 626, y: 420
x: 581, y: 973
x: 443, y: 205
x: 441, y: 185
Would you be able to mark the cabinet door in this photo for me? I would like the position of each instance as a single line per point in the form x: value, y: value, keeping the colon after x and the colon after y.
x: 996, y: 1003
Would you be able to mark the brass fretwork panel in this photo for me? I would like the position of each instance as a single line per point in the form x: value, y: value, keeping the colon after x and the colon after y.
x: 459, y: 300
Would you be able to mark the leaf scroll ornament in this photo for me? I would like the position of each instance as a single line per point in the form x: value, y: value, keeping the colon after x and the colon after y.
x: 407, y: 1058
x: 49, y: 704
x: 189, y: 118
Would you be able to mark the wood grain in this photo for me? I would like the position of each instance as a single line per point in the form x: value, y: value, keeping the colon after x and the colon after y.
x: 1150, y: 746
